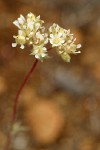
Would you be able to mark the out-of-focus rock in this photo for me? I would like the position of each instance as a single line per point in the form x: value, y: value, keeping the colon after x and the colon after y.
x: 45, y: 121
x: 86, y: 143
x: 28, y: 96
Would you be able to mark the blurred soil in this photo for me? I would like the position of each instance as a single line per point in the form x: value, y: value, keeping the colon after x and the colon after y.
x: 68, y: 115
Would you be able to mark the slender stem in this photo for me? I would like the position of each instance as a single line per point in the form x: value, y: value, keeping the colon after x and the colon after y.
x: 20, y: 90
x: 14, y: 111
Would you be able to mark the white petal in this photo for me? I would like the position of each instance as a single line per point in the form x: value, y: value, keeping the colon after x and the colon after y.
x: 79, y: 45
x: 31, y: 42
x: 30, y: 25
x: 30, y: 34
x: 78, y: 52
x: 27, y: 38
x: 14, y: 44
x: 20, y: 32
x: 62, y: 41
x: 43, y: 54
x: 50, y: 29
x: 20, y: 21
x: 16, y: 23
x: 22, y: 46
x: 68, y: 31
x: 40, y: 36
x: 51, y: 35
x: 46, y: 41
x: 24, y: 26
x: 74, y: 40
x: 22, y: 17
x: 59, y: 34
x: 44, y: 49
x: 37, y: 56
x: 51, y: 41
x: 36, y: 51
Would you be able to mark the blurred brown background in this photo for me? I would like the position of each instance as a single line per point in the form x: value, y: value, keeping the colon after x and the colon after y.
x: 60, y: 105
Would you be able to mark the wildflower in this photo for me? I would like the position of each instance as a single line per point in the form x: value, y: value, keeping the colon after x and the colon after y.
x: 63, y: 40
x: 56, y: 36
x: 40, y: 52
x: 31, y: 32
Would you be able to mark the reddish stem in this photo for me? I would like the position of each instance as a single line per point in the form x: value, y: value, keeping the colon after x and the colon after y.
x: 14, y: 111
x: 20, y: 90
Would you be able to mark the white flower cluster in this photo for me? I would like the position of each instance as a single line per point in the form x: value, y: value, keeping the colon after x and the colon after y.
x: 32, y: 32
x: 63, y: 40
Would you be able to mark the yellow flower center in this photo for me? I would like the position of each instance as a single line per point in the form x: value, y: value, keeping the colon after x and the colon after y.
x: 56, y: 40
x: 20, y: 39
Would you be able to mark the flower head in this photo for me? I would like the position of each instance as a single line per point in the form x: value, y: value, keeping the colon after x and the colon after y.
x: 56, y: 35
x: 31, y: 32
x: 63, y: 41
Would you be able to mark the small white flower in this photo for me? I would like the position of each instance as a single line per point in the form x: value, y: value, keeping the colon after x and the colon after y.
x: 56, y: 40
x: 14, y: 44
x: 39, y: 51
x: 57, y: 35
x: 39, y: 36
x: 31, y: 16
